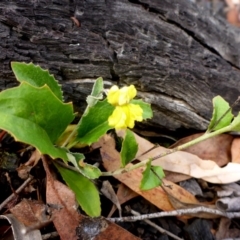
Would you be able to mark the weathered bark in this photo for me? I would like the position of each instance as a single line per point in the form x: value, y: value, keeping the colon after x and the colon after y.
x: 178, y: 57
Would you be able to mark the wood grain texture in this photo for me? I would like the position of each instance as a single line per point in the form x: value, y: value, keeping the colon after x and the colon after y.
x: 178, y: 56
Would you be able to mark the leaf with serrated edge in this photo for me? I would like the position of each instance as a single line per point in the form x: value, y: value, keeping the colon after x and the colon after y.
x: 129, y: 148
x: 149, y: 180
x: 38, y: 105
x: 87, y: 170
x: 36, y: 76
x: 220, y: 106
x: 146, y: 107
x: 30, y: 133
x: 86, y: 193
x: 94, y: 124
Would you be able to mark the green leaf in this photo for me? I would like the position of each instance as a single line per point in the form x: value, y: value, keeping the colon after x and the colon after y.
x: 94, y: 124
x: 152, y: 176
x: 146, y: 107
x: 96, y: 93
x: 220, y: 106
x: 39, y: 106
x: 235, y: 125
x: 35, y: 116
x: 129, y: 148
x: 86, y: 193
x: 29, y: 132
x: 36, y: 76
x: 87, y: 170
x: 158, y: 172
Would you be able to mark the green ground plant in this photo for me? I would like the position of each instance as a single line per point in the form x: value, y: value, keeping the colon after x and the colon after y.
x: 35, y: 113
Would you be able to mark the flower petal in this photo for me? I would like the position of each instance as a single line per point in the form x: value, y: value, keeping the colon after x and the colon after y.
x: 121, y: 96
x: 132, y: 92
x: 113, y: 95
x: 136, y: 112
x: 126, y: 94
x: 125, y: 116
x: 118, y: 118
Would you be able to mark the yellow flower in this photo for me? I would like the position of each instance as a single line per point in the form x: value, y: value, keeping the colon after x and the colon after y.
x: 119, y: 97
x: 125, y: 113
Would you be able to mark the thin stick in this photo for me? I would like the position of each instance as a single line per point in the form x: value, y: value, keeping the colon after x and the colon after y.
x: 161, y: 230
x: 11, y: 197
x: 179, y: 212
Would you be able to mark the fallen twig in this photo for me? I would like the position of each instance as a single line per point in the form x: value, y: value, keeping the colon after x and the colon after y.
x: 179, y: 212
x: 161, y: 230
x: 11, y: 197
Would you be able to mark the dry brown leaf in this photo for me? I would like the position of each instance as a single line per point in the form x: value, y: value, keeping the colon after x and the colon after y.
x: 216, y: 149
x: 235, y: 150
x: 225, y: 231
x: 19, y: 230
x: 65, y: 216
x: 66, y: 219
x: 111, y: 161
x: 175, y: 177
x: 157, y: 196
x: 192, y: 165
x: 115, y: 232
x: 232, y: 12
x: 124, y: 194
x: 109, y: 192
x: 24, y: 169
x: 30, y: 212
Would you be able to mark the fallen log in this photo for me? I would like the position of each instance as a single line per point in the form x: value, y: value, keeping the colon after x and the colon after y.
x: 178, y: 56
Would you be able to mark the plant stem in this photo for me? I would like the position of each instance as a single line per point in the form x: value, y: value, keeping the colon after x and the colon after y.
x: 67, y: 141
x: 70, y: 136
x: 169, y: 151
x: 194, y: 141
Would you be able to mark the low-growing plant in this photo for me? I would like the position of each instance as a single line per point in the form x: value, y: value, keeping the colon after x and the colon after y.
x: 35, y: 113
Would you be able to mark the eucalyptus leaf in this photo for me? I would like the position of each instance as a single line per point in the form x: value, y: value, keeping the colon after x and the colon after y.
x: 36, y: 76
x: 86, y: 193
x: 146, y: 107
x: 129, y: 148
x: 220, y: 107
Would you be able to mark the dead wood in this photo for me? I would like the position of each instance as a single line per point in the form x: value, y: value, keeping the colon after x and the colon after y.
x: 178, y: 56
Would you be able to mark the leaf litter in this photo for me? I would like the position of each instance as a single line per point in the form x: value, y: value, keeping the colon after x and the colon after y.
x: 208, y: 161
x: 169, y: 197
